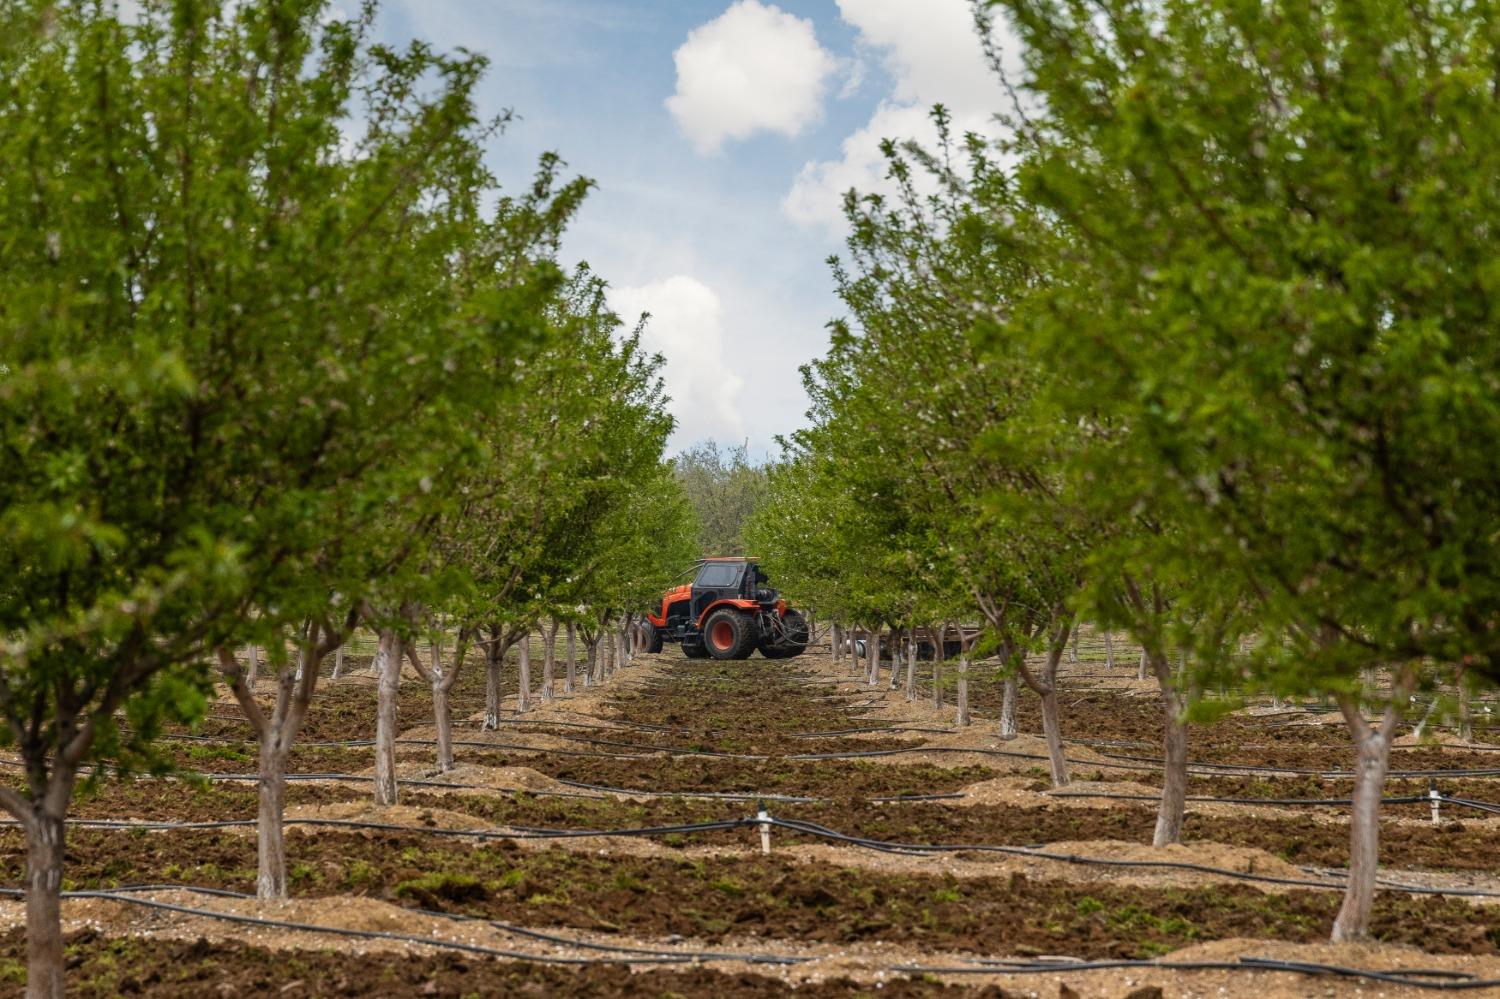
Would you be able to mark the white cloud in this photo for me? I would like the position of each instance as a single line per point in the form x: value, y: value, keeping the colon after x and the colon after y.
x: 933, y: 55
x: 686, y: 328
x: 754, y: 68
x: 816, y: 196
x: 930, y: 49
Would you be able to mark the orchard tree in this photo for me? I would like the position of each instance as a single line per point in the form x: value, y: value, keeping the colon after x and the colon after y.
x: 1279, y: 271
x: 640, y: 548
x: 959, y: 443
x: 585, y: 427
x: 511, y: 266
x: 215, y: 353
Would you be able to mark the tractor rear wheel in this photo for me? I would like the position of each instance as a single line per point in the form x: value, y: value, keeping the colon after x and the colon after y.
x: 790, y: 642
x: 729, y: 634
x: 650, y: 637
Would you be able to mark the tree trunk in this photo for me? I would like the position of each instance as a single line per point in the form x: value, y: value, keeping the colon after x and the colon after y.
x: 1373, y: 756
x: 338, y: 662
x: 254, y: 666
x: 833, y: 641
x: 962, y: 717
x: 1052, y: 732
x: 45, y: 847
x: 442, y: 715
x: 523, y: 673
x: 549, y: 659
x: 1046, y: 689
x: 1008, y: 709
x: 895, y: 658
x: 388, y: 655
x: 911, y: 664
x: 1109, y: 651
x: 1353, y: 922
x: 1465, y: 715
x: 1140, y: 673
x: 572, y: 665
x: 270, y: 841
x: 937, y: 664
x: 591, y: 660
x: 872, y: 654
x: 1172, y: 810
x: 494, y: 659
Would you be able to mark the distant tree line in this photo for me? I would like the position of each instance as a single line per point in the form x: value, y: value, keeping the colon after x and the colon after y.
x: 724, y: 487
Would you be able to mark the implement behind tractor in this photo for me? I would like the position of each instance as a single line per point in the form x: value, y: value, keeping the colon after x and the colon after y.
x: 727, y: 612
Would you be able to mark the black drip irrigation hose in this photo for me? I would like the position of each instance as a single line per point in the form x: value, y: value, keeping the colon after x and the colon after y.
x: 422, y: 782
x: 1482, y: 806
x: 625, y: 955
x: 1418, y: 978
x: 785, y: 799
x: 1326, y: 774
x: 794, y: 825
x: 650, y: 750
x: 523, y: 931
x: 813, y: 829
x: 508, y: 832
x: 1405, y: 800
x: 1140, y: 763
x: 807, y: 828
x: 870, y: 730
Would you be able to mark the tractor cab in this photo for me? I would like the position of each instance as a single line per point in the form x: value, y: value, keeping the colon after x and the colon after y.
x: 718, y: 579
x: 728, y: 579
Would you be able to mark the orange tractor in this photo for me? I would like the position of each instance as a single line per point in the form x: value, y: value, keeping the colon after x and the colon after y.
x: 727, y: 612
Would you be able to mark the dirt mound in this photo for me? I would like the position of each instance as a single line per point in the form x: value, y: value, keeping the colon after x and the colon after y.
x: 365, y: 810
x: 1241, y: 859
x: 1430, y: 738
x: 1030, y: 792
x: 488, y: 779
x: 984, y: 747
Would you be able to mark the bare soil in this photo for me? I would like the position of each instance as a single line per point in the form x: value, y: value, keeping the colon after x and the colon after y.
x: 106, y: 967
x: 669, y: 728
x: 713, y: 897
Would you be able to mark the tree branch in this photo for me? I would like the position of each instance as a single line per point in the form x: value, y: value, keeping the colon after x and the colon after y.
x: 234, y: 673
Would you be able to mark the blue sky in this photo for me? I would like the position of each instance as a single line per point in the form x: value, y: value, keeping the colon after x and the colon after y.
x: 720, y: 135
